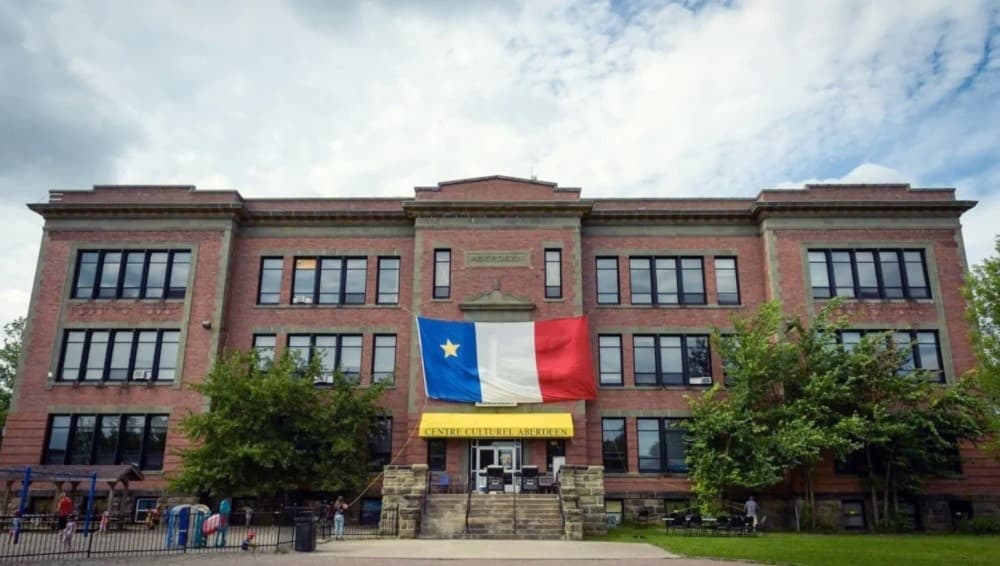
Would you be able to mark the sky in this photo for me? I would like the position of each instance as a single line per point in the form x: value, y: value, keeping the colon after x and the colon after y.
x: 627, y: 98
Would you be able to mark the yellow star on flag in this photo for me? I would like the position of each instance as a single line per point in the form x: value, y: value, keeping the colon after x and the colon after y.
x: 450, y: 349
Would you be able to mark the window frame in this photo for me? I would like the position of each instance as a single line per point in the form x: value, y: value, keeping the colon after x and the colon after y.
x: 553, y: 290
x: 678, y: 269
x: 914, y: 344
x: 260, y: 279
x: 343, y: 294
x: 387, y: 438
x: 263, y: 361
x: 736, y: 276
x: 68, y: 448
x: 600, y: 358
x: 322, y: 379
x: 439, y: 291
x: 379, y: 279
x: 664, y: 427
x: 598, y: 270
x: 108, y: 363
x: 381, y: 376
x: 658, y: 372
x: 863, y: 292
x: 168, y: 292
x: 620, y: 458
x: 436, y: 455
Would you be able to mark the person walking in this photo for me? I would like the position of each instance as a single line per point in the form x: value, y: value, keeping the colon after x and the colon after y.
x: 247, y: 515
x: 750, y: 507
x: 64, y: 508
x: 105, y: 519
x: 338, y: 518
x: 15, y: 528
x: 67, y: 533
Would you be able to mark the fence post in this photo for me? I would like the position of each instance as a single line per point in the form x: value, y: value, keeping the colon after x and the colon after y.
x: 24, y: 490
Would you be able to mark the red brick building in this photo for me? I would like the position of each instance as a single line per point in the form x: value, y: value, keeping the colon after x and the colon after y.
x: 138, y: 288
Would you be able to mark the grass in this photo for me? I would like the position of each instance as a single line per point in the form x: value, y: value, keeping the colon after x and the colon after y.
x: 824, y: 550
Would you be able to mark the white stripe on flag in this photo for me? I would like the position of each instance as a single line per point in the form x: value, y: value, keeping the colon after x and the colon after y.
x: 507, y: 369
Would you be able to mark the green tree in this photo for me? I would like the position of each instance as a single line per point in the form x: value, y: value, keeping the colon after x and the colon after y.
x: 982, y: 293
x: 270, y: 430
x: 10, y: 357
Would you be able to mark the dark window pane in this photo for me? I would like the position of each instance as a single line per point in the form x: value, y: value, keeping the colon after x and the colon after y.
x: 380, y: 444
x: 867, y: 278
x: 699, y: 360
x: 553, y: 274
x: 145, y: 354
x: 843, y: 274
x: 121, y: 355
x: 131, y: 440
x: 442, y: 274
x: 55, y: 448
x: 903, y: 342
x: 73, y: 355
x: 671, y: 360
x: 83, y: 440
x: 97, y: 355
x: 640, y: 277
x: 649, y: 445
x: 610, y: 354
x: 87, y: 271
x: 156, y: 276
x: 331, y: 272
x: 644, y: 354
x: 264, y: 345
x: 304, y: 282
x: 613, y: 446
x: 350, y: 357
x: 270, y: 281
x: 107, y: 440
x: 693, y: 281
x: 388, y: 281
x: 607, y: 280
x: 384, y: 359
x: 357, y: 273
x: 927, y: 347
x: 892, y: 279
x: 110, y: 270
x: 437, y: 454
x: 667, y: 291
x: 156, y: 443
x: 915, y: 279
x: 168, y: 356
x: 673, y: 436
x: 135, y: 263
x: 179, y: 269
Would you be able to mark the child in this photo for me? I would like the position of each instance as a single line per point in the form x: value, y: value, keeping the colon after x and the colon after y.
x: 105, y: 519
x: 67, y: 535
x: 15, y: 528
x: 248, y: 543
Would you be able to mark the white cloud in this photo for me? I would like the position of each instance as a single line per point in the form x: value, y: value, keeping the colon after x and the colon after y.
x: 315, y: 98
x: 865, y: 173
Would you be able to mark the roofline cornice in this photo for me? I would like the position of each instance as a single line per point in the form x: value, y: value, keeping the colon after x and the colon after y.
x: 418, y: 209
x: 956, y: 208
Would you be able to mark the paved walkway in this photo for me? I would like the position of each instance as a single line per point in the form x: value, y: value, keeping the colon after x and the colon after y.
x: 429, y: 553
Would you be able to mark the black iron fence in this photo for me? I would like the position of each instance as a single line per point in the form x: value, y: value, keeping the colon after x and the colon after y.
x: 39, y: 536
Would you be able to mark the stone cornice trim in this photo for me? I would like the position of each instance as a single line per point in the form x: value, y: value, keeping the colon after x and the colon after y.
x: 953, y: 208
x: 418, y: 209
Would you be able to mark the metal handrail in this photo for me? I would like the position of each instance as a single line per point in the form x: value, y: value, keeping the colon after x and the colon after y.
x: 513, y: 478
x: 562, y: 510
x: 468, y: 502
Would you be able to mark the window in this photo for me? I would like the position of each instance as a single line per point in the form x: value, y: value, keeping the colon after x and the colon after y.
x: 554, y: 448
x: 119, y: 355
x: 727, y: 281
x: 667, y: 280
x: 371, y: 511
x: 132, y: 274
x: 107, y: 440
x: 329, y: 280
x: 143, y: 505
x: 613, y: 447
x: 388, y: 281
x: 333, y: 351
x: 553, y: 274
x: 613, y: 511
x: 921, y: 349
x: 610, y: 352
x: 728, y: 366
x: 437, y: 454
x: 442, y: 274
x: 384, y: 359
x: 270, y: 280
x: 853, y: 514
x: 662, y: 446
x: 868, y: 274
x: 672, y: 360
x: 607, y: 281
x: 264, y: 345
x: 380, y: 444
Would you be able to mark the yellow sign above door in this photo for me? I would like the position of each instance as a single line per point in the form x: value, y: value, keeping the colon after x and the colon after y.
x: 496, y: 425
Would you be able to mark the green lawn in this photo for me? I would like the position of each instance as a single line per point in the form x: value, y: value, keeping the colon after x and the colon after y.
x: 825, y: 550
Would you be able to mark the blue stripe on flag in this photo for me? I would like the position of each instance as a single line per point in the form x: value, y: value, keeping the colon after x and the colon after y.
x: 448, y: 352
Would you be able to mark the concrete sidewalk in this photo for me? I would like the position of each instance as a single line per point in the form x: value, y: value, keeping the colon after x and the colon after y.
x: 494, y: 550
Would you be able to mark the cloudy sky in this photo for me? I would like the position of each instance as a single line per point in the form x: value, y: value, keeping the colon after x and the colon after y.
x: 622, y: 98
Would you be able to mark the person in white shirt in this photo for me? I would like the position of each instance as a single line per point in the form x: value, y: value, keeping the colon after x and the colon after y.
x: 750, y: 507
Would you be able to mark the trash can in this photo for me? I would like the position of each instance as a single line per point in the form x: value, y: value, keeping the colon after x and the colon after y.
x: 529, y: 479
x: 305, y: 533
x: 494, y: 478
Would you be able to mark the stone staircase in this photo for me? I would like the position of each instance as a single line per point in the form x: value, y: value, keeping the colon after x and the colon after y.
x: 492, y: 516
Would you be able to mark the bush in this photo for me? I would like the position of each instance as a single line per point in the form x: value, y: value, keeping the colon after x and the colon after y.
x: 981, y: 526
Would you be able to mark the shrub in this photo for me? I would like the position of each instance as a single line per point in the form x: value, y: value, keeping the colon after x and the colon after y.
x: 981, y: 526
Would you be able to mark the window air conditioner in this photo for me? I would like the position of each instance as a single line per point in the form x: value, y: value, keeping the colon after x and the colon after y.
x: 706, y: 380
x: 142, y: 374
x: 302, y: 300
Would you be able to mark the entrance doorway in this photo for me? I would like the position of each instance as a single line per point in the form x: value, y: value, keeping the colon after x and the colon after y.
x: 506, y: 453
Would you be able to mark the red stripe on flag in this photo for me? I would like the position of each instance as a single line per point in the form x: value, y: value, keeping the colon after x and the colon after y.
x: 562, y: 354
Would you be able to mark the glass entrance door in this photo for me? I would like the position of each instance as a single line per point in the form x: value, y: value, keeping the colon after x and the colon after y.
x: 506, y: 453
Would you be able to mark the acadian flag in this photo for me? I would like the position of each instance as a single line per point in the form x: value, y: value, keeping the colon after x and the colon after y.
x: 507, y: 362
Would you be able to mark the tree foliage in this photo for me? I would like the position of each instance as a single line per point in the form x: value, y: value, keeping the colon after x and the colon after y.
x: 982, y: 293
x: 796, y: 395
x: 270, y: 430
x: 10, y: 357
